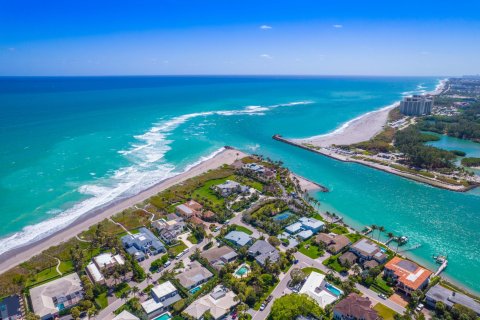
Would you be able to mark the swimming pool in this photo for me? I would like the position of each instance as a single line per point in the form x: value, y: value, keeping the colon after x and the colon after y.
x: 194, y: 290
x: 335, y: 291
x: 165, y: 316
x: 241, y: 271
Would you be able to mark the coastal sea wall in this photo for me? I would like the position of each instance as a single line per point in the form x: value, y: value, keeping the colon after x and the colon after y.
x: 407, y: 175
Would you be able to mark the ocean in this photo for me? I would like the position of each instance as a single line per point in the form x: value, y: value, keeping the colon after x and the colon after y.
x: 70, y: 145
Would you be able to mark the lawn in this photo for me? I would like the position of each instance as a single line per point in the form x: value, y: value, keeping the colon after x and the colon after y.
x: 66, y: 266
x: 102, y: 300
x: 205, y: 193
x: 318, y: 217
x: 242, y: 229
x: 176, y: 249
x: 309, y: 249
x: 354, y: 237
x: 381, y: 286
x: 43, y: 276
x: 339, y: 229
x: 385, y: 312
x: 309, y: 270
x: 334, y: 264
x: 122, y: 288
x: 192, y: 239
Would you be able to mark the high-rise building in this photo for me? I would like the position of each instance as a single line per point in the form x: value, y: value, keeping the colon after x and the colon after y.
x: 416, y: 105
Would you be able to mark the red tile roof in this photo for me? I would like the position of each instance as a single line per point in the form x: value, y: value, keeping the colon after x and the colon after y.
x: 408, y: 273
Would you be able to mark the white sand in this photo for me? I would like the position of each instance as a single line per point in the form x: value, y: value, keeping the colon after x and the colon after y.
x: 357, y: 130
x: 19, y: 255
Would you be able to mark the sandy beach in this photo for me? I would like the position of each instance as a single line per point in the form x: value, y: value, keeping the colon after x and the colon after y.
x: 357, y: 130
x: 21, y: 254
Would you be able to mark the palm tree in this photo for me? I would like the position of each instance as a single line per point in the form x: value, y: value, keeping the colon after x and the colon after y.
x: 148, y: 277
x: 380, y: 230
x: 135, y: 290
x: 373, y: 227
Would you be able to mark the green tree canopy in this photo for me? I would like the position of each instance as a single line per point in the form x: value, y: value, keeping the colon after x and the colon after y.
x: 294, y: 305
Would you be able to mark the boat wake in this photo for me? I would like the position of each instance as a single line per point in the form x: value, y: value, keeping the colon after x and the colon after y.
x: 147, y: 168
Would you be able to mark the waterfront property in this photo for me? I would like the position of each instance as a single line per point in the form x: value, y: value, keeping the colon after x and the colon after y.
x: 189, y: 209
x: 239, y: 238
x: 101, y: 264
x: 142, y: 244
x: 355, y: 307
x: 450, y: 298
x: 367, y: 250
x: 263, y: 251
x: 305, y: 227
x: 163, y: 296
x: 219, y: 256
x: 230, y: 187
x: 408, y: 275
x: 11, y: 308
x: 319, y: 290
x: 311, y: 224
x: 194, y: 275
x: 219, y: 302
x: 416, y: 105
x: 334, y: 243
x: 125, y: 315
x: 52, y: 297
x: 169, y: 230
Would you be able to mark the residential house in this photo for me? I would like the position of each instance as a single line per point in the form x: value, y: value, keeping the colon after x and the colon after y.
x: 305, y: 227
x: 219, y: 303
x: 449, y: 298
x: 366, y: 250
x: 348, y: 259
x: 142, y: 244
x: 125, y: 315
x: 355, y: 307
x: 294, y: 228
x: 189, y: 209
x: 370, y: 264
x: 262, y: 251
x: 219, y: 256
x: 239, y: 238
x: 102, y: 264
x: 194, y: 275
x: 408, y: 275
x: 169, y: 230
x: 230, y: 187
x: 11, y: 308
x: 317, y: 288
x: 311, y: 224
x: 334, y: 243
x: 52, y: 297
x: 163, y: 296
x: 305, y: 234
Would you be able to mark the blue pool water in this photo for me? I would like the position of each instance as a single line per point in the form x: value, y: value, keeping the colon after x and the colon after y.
x: 242, y: 271
x: 332, y: 289
x: 165, y: 316
x: 194, y: 290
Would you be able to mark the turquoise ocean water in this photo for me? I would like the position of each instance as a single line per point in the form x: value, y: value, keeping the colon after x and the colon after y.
x: 70, y: 145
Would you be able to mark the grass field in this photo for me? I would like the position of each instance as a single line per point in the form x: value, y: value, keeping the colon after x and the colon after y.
x: 102, y: 300
x: 309, y: 270
x: 205, y: 192
x: 43, y: 276
x: 192, y: 239
x: 175, y: 250
x: 334, y: 264
x: 310, y: 250
x: 385, y: 312
x: 242, y: 229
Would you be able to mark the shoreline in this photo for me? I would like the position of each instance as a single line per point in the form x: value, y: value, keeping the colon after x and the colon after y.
x: 24, y: 252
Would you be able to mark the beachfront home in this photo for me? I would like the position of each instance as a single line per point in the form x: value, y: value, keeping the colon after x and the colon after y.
x: 355, y: 307
x: 163, y: 296
x: 101, y: 265
x: 294, y: 228
x: 334, y: 243
x: 52, y: 297
x: 142, y: 244
x: 305, y: 234
x: 169, y: 230
x: 219, y: 256
x: 368, y: 250
x: 319, y: 290
x: 125, y: 315
x: 238, y: 238
x: 305, y: 227
x: 219, y: 303
x: 449, y: 298
x: 194, y: 275
x: 230, y: 187
x: 408, y: 275
x: 11, y: 308
x: 311, y: 224
x: 189, y: 209
x: 262, y: 251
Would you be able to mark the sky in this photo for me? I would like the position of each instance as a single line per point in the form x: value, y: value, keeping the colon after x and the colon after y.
x: 230, y: 37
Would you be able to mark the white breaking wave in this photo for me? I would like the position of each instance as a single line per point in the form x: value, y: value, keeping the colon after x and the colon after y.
x: 148, y: 168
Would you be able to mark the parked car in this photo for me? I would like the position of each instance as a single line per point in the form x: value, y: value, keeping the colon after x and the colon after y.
x: 295, y: 261
x: 167, y: 263
x: 262, y: 307
x: 381, y: 295
x: 419, y: 307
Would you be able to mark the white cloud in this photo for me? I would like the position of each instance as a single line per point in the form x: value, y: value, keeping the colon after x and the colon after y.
x: 266, y: 56
x: 338, y: 26
x: 265, y: 27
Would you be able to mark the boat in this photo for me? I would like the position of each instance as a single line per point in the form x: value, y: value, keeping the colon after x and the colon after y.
x: 440, y: 259
x: 403, y: 240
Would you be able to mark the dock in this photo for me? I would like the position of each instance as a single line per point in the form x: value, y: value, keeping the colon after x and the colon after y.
x: 418, y: 245
x: 442, y: 267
